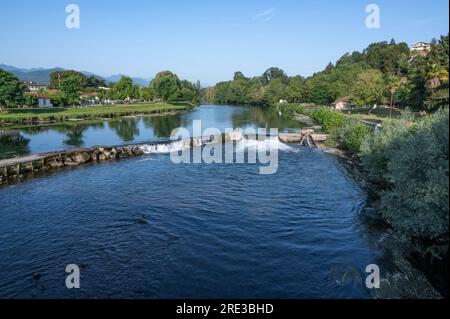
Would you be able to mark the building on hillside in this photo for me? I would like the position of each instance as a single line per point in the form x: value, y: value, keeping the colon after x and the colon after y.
x: 421, y: 48
x: 341, y: 104
x: 33, y: 86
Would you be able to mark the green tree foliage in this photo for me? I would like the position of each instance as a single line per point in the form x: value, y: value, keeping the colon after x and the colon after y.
x: 275, y: 73
x: 57, y: 78
x: 124, y: 89
x: 30, y: 100
x: 417, y: 169
x: 93, y: 83
x: 350, y: 136
x: 428, y: 78
x: 71, y: 88
x: 295, y: 91
x: 394, y: 83
x: 368, y: 88
x: 148, y: 94
x: 166, y: 86
x: 11, y: 92
x: 366, y: 77
x: 329, y: 120
x: 389, y: 58
x: 375, y: 148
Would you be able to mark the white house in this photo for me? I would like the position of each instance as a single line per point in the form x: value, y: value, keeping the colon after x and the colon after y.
x: 421, y: 47
x: 34, y: 86
x: 43, y: 101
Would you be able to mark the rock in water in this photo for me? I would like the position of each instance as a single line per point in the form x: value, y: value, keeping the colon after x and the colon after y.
x: 82, y: 158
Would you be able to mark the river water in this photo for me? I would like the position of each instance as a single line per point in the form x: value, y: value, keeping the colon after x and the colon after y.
x: 148, y: 228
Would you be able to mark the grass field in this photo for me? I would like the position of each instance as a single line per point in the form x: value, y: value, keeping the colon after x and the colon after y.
x: 23, y: 116
x: 378, y: 115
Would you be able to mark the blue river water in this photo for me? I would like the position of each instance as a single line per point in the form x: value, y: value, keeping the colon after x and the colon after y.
x: 148, y: 228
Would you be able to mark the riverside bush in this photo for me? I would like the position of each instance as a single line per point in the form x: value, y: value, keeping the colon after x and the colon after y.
x: 417, y: 204
x: 412, y: 164
x: 328, y: 119
x: 374, y: 150
x: 351, y: 135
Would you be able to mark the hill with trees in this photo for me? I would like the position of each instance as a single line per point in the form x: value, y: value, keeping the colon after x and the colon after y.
x: 383, y: 73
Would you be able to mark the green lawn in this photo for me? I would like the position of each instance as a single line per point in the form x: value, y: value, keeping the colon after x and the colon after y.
x: 377, y: 115
x: 17, y: 116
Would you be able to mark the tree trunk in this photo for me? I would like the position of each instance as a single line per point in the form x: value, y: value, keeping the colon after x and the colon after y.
x: 392, y: 105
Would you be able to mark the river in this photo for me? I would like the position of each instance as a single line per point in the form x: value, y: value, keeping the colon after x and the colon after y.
x: 148, y: 228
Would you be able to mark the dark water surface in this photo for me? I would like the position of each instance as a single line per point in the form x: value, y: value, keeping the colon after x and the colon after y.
x: 148, y: 228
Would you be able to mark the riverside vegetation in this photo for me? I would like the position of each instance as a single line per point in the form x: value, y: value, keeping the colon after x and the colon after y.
x: 165, y: 93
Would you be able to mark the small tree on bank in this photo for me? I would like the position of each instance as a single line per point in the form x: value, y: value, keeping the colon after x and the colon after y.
x: 11, y: 92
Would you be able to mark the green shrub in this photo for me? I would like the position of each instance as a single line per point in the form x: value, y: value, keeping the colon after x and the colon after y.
x: 296, y: 108
x: 351, y: 135
x: 417, y: 204
x: 374, y: 150
x: 328, y: 119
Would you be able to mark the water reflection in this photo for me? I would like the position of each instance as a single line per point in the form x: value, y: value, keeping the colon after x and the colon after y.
x: 12, y: 144
x: 264, y: 118
x: 126, y: 128
x: 162, y: 125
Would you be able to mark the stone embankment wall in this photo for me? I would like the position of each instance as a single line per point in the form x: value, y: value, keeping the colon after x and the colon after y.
x: 18, y: 168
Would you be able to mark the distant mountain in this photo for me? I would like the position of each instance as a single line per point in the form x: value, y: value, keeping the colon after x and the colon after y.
x: 116, y: 77
x: 43, y: 75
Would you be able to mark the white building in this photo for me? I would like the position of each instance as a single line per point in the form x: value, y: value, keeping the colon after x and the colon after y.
x: 421, y: 47
x: 34, y: 86
x: 43, y: 101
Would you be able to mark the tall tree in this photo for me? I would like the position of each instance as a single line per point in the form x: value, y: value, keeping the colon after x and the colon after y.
x: 394, y: 83
x: 11, y: 92
x: 166, y: 86
x: 368, y: 88
x: 71, y: 88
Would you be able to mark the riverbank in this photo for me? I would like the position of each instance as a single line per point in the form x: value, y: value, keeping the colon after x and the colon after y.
x: 79, y: 114
x: 408, y: 275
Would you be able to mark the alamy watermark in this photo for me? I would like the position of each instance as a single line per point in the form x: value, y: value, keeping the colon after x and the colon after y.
x: 352, y: 275
x: 235, y: 146
x: 73, y: 279
x: 73, y: 17
x: 373, y: 20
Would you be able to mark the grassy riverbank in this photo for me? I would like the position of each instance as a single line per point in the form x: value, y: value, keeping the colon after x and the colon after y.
x: 36, y: 116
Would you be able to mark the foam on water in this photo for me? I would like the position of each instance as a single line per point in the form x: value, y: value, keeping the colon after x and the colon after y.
x: 162, y: 148
x: 269, y: 143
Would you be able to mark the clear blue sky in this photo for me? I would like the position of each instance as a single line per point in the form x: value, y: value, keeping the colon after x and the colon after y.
x: 206, y: 39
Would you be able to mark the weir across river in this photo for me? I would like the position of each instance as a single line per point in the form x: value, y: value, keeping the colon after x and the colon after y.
x: 26, y: 166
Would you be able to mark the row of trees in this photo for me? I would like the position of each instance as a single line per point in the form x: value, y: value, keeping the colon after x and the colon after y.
x: 383, y: 73
x: 165, y: 87
x: 67, y: 86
